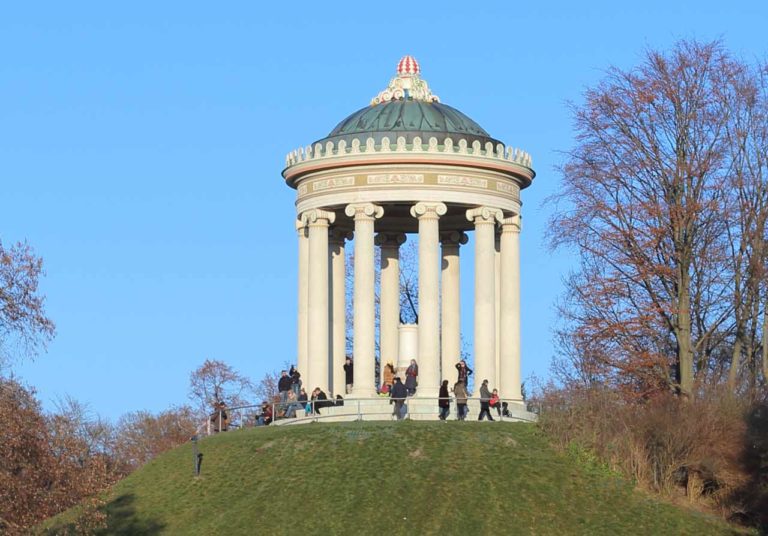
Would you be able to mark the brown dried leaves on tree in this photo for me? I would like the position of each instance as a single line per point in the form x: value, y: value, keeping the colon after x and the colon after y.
x: 648, y: 201
x: 24, y: 327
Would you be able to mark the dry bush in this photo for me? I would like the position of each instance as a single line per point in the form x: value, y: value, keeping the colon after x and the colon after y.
x: 665, y: 444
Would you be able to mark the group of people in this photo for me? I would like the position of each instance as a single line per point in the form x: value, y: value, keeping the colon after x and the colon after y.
x: 292, y: 396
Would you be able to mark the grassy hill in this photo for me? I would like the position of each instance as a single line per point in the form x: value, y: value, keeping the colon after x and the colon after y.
x: 385, y: 478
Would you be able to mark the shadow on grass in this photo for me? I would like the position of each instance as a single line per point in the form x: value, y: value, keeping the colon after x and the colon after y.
x: 753, y: 496
x: 121, y: 518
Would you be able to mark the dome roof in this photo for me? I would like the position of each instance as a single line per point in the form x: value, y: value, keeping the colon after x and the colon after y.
x: 409, y: 109
x: 408, y: 118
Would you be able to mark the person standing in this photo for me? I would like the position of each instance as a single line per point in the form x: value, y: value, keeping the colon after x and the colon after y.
x: 460, y: 392
x: 411, y: 378
x: 389, y: 376
x: 398, y: 395
x: 444, y: 402
x: 295, y: 380
x: 485, y: 399
x: 283, y: 386
x: 464, y: 373
x: 348, y: 374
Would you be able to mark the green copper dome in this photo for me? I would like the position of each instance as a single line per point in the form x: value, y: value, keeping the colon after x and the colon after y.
x: 408, y: 118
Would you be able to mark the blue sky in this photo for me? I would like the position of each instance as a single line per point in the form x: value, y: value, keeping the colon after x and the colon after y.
x: 141, y: 147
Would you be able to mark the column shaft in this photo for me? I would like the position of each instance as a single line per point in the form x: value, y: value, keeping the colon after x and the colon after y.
x: 497, y: 304
x: 429, y: 295
x: 303, y: 298
x: 318, y: 314
x: 450, y: 325
x: 485, y: 295
x: 510, y: 381
x: 364, y: 332
x: 389, y: 305
x: 338, y: 310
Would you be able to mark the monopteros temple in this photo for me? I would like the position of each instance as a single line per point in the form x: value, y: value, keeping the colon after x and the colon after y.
x: 408, y: 164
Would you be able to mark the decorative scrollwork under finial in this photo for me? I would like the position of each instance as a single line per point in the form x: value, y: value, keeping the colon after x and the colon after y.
x: 407, y: 85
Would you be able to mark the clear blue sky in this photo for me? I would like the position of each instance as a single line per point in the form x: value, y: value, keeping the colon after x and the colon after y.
x: 141, y: 147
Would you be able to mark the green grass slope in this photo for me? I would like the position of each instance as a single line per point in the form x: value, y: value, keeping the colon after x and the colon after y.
x: 385, y: 478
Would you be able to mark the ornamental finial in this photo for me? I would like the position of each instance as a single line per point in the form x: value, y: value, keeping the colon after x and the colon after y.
x: 407, y: 85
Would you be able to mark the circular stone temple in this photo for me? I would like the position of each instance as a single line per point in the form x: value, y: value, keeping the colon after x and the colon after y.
x: 405, y: 164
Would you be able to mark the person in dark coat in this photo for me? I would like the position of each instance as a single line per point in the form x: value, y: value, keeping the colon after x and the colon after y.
x: 485, y: 402
x: 295, y: 380
x: 320, y: 400
x: 411, y: 377
x: 464, y: 372
x: 348, y: 374
x: 283, y: 386
x: 444, y: 402
x: 398, y: 395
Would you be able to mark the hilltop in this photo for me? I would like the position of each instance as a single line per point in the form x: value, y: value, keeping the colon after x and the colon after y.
x: 385, y: 477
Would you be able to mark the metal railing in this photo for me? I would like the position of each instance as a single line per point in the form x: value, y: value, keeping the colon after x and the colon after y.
x: 253, y: 415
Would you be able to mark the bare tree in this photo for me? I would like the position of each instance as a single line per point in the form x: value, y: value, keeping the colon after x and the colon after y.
x: 216, y: 382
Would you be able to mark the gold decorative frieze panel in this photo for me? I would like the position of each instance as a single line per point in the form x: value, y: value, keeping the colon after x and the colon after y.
x: 396, y: 178
x: 504, y: 187
x: 337, y: 182
x: 461, y: 180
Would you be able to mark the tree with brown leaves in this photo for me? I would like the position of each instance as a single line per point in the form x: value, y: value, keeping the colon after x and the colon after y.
x: 24, y: 327
x: 645, y: 204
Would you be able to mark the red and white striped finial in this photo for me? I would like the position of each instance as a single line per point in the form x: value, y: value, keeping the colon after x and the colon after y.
x: 406, y: 85
x: 408, y: 65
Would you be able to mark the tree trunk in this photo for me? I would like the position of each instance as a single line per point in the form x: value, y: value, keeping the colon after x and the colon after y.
x: 684, y: 343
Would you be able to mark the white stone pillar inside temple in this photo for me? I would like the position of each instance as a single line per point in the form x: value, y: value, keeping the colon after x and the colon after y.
x: 389, y: 306
x: 364, y: 331
x: 303, y: 291
x: 450, y: 326
x: 485, y: 219
x: 429, y: 295
x: 497, y: 303
x: 318, y: 314
x: 510, y: 381
x: 338, y: 311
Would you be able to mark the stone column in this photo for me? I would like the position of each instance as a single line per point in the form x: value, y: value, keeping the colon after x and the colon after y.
x: 318, y: 355
x: 338, y: 311
x: 485, y: 219
x: 509, y: 382
x: 389, y: 305
x: 429, y: 295
x: 303, y: 291
x: 450, y: 332
x: 497, y: 302
x: 364, y: 330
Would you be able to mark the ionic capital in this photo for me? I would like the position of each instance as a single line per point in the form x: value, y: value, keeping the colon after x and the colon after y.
x: 338, y: 235
x: 453, y: 238
x: 481, y: 215
x: 390, y: 240
x: 428, y: 210
x: 317, y: 216
x: 364, y: 211
x: 513, y: 224
x: 301, y: 227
